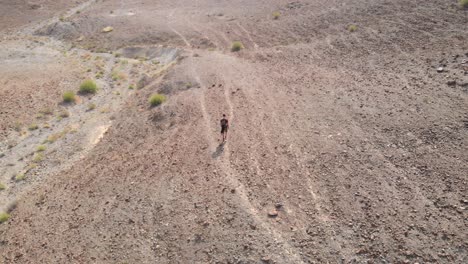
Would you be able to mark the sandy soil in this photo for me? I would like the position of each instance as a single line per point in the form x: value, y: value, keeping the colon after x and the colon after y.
x: 344, y: 147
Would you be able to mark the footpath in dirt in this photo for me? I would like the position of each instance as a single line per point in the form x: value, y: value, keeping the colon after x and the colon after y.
x: 347, y: 142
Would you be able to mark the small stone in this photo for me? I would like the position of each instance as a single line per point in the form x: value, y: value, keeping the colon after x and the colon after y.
x: 440, y: 69
x: 107, y: 29
x: 452, y: 82
x: 273, y: 213
x: 266, y: 259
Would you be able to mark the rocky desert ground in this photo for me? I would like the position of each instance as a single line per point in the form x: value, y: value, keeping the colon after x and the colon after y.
x: 347, y: 144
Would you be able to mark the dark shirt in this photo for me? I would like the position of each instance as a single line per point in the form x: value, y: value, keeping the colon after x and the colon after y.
x: 224, y: 122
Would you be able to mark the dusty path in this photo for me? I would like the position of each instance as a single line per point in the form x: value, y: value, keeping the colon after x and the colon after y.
x: 344, y: 147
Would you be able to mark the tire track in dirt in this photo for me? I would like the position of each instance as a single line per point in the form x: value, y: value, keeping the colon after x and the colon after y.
x: 30, y: 29
x: 249, y: 36
x: 322, y: 217
x: 231, y: 177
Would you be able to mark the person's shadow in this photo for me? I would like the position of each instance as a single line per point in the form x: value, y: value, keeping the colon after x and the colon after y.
x: 219, y: 151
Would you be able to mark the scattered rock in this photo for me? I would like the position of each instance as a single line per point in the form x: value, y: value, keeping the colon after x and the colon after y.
x: 273, y: 213
x: 266, y: 260
x: 451, y: 83
x: 107, y: 29
x: 440, y: 69
x: 34, y: 6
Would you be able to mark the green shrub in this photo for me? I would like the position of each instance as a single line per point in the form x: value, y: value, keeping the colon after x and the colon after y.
x: 41, y: 148
x: 237, y: 46
x: 4, y: 217
x: 54, y: 137
x: 38, y: 157
x: 276, y: 15
x: 33, y: 127
x: 20, y: 177
x: 46, y: 111
x: 352, y: 28
x: 464, y: 3
x: 99, y: 75
x: 64, y: 114
x: 91, y: 106
x: 118, y: 76
x: 157, y: 99
x: 2, y: 186
x: 69, y: 97
x: 88, y: 87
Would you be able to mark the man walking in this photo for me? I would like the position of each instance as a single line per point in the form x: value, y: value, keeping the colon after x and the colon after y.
x: 224, y: 128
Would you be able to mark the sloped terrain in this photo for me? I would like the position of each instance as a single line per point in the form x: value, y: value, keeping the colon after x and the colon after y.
x: 347, y: 144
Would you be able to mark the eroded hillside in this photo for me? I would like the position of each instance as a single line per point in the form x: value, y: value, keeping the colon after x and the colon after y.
x: 348, y: 137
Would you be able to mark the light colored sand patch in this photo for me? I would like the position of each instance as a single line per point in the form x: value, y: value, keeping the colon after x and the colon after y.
x: 97, y: 134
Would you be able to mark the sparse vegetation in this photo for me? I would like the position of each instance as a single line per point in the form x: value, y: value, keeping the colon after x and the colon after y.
x: 46, y: 111
x: 118, y: 76
x: 64, y: 114
x: 352, y: 28
x: 2, y: 186
x: 4, y: 217
x: 88, y: 87
x: 188, y: 85
x: 237, y: 46
x: 17, y: 126
x: 99, y: 75
x: 464, y: 3
x: 33, y: 127
x: 54, y: 137
x: 91, y: 106
x: 38, y: 157
x: 41, y: 148
x: 30, y: 167
x: 131, y: 87
x: 276, y: 15
x: 105, y: 110
x: 157, y: 99
x: 20, y: 177
x: 69, y: 97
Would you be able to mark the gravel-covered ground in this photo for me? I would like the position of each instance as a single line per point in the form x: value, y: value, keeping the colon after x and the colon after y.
x: 348, y: 138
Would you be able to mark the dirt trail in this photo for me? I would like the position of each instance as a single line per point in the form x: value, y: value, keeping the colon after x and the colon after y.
x: 223, y: 149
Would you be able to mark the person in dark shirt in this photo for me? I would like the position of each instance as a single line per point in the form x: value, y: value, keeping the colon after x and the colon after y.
x: 224, y: 128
